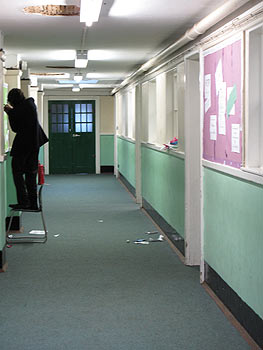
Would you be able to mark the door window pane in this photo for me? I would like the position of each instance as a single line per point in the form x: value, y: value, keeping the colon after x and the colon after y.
x: 89, y: 107
x: 78, y: 127
x: 89, y: 118
x: 65, y: 118
x: 83, y: 108
x: 60, y: 118
x: 89, y: 127
x: 59, y: 108
x: 84, y: 127
x: 54, y: 118
x: 54, y: 128
x: 60, y: 128
x: 65, y: 108
x: 77, y: 108
x: 77, y: 118
x: 84, y: 118
x: 66, y: 128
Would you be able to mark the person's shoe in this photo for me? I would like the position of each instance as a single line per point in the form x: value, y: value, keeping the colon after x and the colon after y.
x: 19, y: 206
x: 34, y: 207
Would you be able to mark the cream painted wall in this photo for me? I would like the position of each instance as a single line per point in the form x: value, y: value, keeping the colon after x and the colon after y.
x: 107, y: 115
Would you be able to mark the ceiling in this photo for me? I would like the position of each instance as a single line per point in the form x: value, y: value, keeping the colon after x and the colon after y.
x: 127, y: 35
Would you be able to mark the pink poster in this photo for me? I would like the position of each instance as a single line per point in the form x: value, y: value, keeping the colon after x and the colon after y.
x: 222, y: 133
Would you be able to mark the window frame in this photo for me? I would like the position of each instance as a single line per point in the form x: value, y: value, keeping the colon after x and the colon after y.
x: 253, y: 160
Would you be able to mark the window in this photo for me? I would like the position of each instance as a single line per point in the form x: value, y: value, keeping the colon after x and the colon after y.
x: 175, y: 105
x: 118, y: 114
x: 59, y: 118
x: 175, y: 86
x: 179, y: 95
x: 83, y: 117
x: 144, y: 123
x: 131, y: 114
x: 254, y: 111
x: 152, y: 111
x: 163, y: 108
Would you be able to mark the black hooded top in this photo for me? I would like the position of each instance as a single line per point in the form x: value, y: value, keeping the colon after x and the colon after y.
x: 24, y: 122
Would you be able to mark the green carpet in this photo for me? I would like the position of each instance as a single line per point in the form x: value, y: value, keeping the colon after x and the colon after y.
x: 89, y: 289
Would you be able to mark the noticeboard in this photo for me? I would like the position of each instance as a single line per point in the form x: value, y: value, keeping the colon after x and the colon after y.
x: 222, y: 131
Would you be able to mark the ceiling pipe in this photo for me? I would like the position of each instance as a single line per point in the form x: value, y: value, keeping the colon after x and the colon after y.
x: 191, y: 34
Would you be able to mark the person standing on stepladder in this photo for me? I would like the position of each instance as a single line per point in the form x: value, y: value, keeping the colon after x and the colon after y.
x: 22, y: 115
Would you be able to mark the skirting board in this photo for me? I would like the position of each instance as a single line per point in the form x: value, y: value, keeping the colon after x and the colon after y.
x: 169, y: 231
x: 248, y: 319
x: 127, y: 184
x: 107, y: 169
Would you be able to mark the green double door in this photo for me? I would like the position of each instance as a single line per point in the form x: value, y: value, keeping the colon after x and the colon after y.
x: 71, y: 137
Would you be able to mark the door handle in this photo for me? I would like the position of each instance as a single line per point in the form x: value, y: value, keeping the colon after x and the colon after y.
x: 75, y: 135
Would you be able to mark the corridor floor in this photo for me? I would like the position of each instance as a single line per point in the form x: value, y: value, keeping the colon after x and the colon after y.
x: 88, y: 289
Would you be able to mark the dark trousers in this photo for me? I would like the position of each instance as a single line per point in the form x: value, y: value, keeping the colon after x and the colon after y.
x: 25, y: 168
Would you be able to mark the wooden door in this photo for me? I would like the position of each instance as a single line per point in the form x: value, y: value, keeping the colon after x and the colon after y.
x: 72, y: 137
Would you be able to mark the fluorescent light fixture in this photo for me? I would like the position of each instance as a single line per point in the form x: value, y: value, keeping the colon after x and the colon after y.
x: 78, y: 77
x: 54, y: 55
x: 48, y: 76
x: 81, y: 59
x: 90, y: 81
x: 102, y: 55
x: 90, y: 11
x: 106, y: 76
x: 76, y: 89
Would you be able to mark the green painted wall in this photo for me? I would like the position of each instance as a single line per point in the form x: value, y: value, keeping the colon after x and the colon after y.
x: 233, y: 234
x: 107, y: 150
x: 126, y: 160
x: 10, y: 187
x: 2, y: 204
x: 41, y: 155
x: 163, y: 185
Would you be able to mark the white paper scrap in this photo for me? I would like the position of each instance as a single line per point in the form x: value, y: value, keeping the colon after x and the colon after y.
x: 207, y: 92
x: 235, y: 138
x: 213, y: 129
x: 222, y: 109
x: 218, y: 75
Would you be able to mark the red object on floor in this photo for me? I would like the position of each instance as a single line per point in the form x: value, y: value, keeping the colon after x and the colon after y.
x: 41, y: 176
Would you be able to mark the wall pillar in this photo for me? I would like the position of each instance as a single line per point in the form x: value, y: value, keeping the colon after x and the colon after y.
x: 33, y: 92
x: 192, y: 164
x: 25, y: 87
x: 138, y: 127
x: 40, y: 106
x: 13, y: 80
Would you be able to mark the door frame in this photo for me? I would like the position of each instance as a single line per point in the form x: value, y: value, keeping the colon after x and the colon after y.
x: 193, y: 159
x: 97, y: 125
